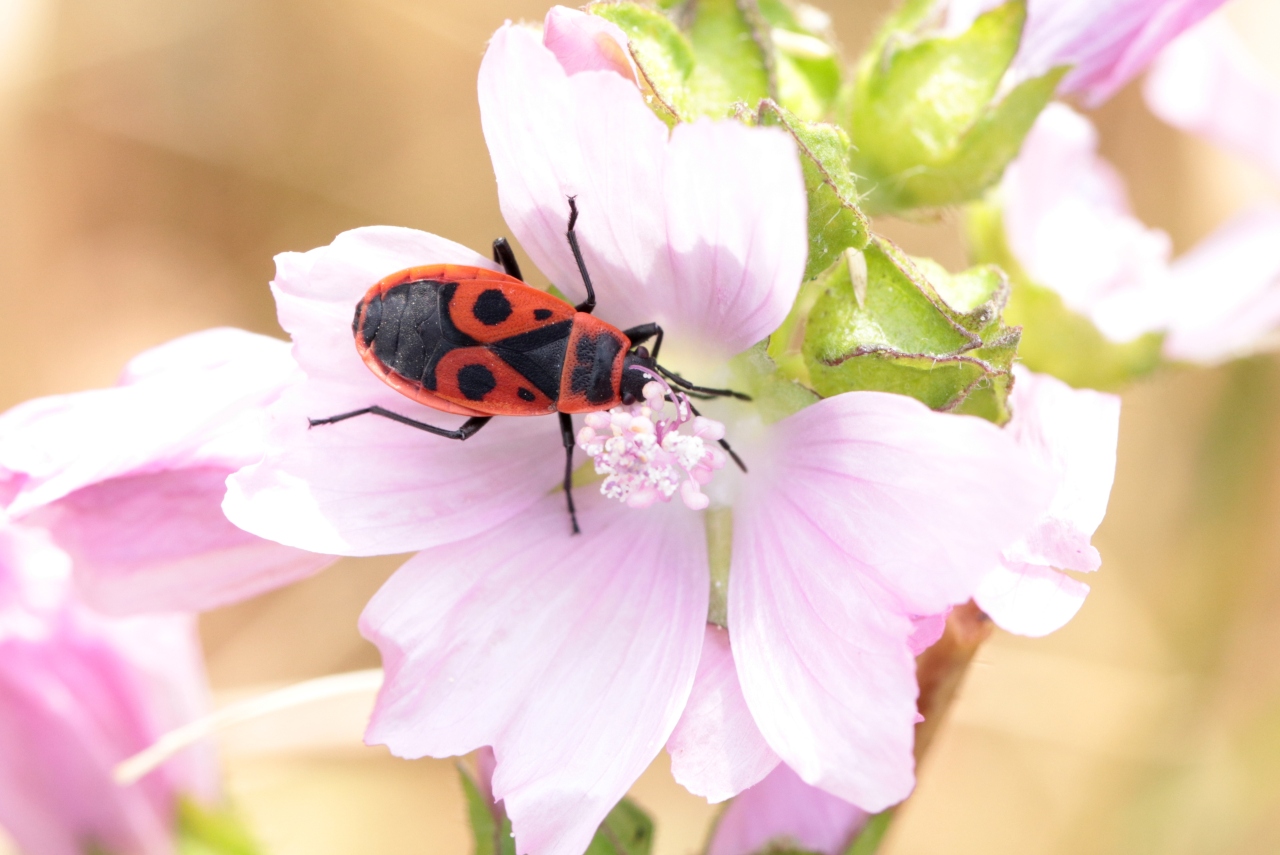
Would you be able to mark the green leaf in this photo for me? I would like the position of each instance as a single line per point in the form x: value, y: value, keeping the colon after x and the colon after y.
x: 924, y: 95
x: 985, y: 149
x: 883, y: 322
x: 202, y: 831
x: 835, y: 221
x: 806, y: 63
x: 872, y: 835
x: 490, y: 828
x: 627, y: 830
x: 1055, y: 339
x: 663, y: 54
x: 927, y: 125
x: 734, y: 61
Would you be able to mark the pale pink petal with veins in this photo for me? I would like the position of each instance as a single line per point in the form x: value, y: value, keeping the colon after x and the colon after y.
x: 716, y: 750
x: 572, y: 656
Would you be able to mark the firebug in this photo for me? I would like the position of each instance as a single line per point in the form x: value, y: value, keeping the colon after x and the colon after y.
x: 477, y: 343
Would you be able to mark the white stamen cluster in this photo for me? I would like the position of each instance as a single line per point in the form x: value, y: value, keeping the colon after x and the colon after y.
x: 644, y: 456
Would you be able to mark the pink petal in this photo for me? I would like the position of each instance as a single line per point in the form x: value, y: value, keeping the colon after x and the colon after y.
x: 1207, y: 83
x: 867, y: 509
x: 583, y: 42
x: 199, y: 401
x: 371, y: 486
x: 716, y: 750
x: 922, y: 502
x: 1120, y: 43
x: 823, y: 659
x: 1059, y: 196
x: 571, y: 656
x: 703, y: 232
x: 1030, y: 600
x: 784, y: 811
x: 78, y: 694
x: 926, y: 630
x: 1226, y: 291
x: 1073, y: 433
x: 1107, y: 42
x: 160, y: 542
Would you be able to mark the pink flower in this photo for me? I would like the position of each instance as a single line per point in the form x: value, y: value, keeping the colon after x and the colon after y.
x: 78, y: 694
x: 1208, y: 84
x: 574, y: 657
x: 1105, y: 42
x: 783, y: 810
x: 1073, y: 432
x: 1228, y: 287
x: 1068, y: 223
x: 130, y: 480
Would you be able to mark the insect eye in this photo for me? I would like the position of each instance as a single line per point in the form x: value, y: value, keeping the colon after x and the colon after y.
x: 642, y: 352
x: 628, y: 398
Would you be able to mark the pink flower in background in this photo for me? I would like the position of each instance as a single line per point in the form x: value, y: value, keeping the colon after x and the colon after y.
x: 574, y: 657
x: 783, y: 810
x: 78, y: 694
x: 1107, y: 43
x: 1227, y: 289
x: 129, y: 480
x: 1073, y: 432
x: 1068, y: 223
x: 1208, y: 84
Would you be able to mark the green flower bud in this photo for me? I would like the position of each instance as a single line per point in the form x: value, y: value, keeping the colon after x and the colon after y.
x: 720, y: 57
x: 890, y: 323
x: 929, y: 121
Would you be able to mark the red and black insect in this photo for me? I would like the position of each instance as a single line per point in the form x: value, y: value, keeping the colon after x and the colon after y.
x: 477, y: 343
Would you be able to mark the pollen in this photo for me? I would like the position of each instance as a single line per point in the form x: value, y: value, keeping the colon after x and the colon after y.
x: 647, y: 456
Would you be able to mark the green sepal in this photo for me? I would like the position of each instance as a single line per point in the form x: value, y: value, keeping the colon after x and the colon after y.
x: 836, y: 223
x: 887, y: 323
x: 872, y: 835
x: 806, y: 62
x: 661, y: 52
x: 731, y: 54
x: 205, y: 831
x: 490, y: 828
x: 774, y: 394
x: 734, y: 59
x: 627, y: 830
x: 1055, y: 339
x: 924, y: 114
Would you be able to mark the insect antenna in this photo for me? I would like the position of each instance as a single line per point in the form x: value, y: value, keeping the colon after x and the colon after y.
x: 703, y: 391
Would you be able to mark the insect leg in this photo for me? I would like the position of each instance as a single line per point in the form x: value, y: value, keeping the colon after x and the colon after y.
x: 566, y: 432
x: 724, y: 445
x: 644, y: 332
x: 504, y: 255
x: 588, y: 305
x: 469, y: 427
x: 689, y: 387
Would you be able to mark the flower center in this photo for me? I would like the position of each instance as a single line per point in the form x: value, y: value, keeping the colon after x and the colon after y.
x: 643, y: 455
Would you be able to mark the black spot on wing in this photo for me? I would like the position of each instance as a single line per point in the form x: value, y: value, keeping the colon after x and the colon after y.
x: 475, y: 381
x: 492, y: 307
x: 541, y: 314
x: 592, y: 375
x: 526, y: 395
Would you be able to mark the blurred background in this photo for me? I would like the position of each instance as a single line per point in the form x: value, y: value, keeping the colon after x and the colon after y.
x: 155, y: 154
